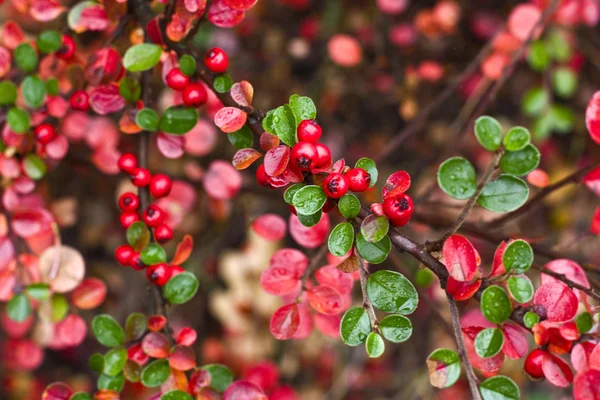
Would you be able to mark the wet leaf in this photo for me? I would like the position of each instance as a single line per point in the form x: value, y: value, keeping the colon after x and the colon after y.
x: 390, y: 291
x: 142, y: 57
x: 444, y: 368
x: 457, y: 178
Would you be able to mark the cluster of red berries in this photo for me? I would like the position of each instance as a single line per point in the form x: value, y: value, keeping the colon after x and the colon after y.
x: 154, y: 217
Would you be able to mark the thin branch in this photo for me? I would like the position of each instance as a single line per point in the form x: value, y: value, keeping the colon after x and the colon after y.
x: 364, y: 275
x: 462, y: 351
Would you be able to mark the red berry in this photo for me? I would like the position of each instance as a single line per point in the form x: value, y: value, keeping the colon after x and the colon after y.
x: 153, y: 216
x: 177, y: 80
x: 216, y: 60
x: 141, y: 177
x: 136, y: 262
x: 176, y: 270
x: 67, y: 50
x: 44, y: 133
x: 129, y: 202
x: 129, y: 217
x: 309, y: 131
x: 533, y: 363
x: 163, y: 233
x: 159, y: 274
x: 324, y: 155
x: 359, y: 179
x: 398, y: 209
x: 123, y: 254
x: 127, y: 163
x: 304, y: 155
x: 194, y: 95
x: 262, y: 178
x: 336, y: 185
x: 80, y: 100
x: 160, y: 186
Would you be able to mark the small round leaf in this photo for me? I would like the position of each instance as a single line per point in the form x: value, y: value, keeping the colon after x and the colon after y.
x: 355, y: 326
x: 488, y: 132
x: 309, y: 199
x: 518, y: 257
x: 444, y: 368
x: 375, y: 345
x: 390, y: 291
x: 349, y: 206
x: 521, y: 162
x: 499, y: 388
x: 371, y: 167
x: 108, y: 331
x: 142, y: 57
x: 396, y: 328
x: 489, y: 342
x: 147, y: 119
x: 517, y: 138
x: 155, y: 373
x: 520, y: 288
x: 181, y: 288
x: 374, y: 228
x: 457, y: 178
x: 495, y: 305
x: 341, y: 239
x: 374, y: 253
x: 505, y: 194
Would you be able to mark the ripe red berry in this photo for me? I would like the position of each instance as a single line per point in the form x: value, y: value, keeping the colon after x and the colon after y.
x: 44, y: 133
x: 533, y: 363
x: 262, y: 178
x: 304, y: 155
x: 336, y: 185
x: 159, y: 274
x: 141, y: 177
x: 359, y: 179
x: 129, y: 202
x: 194, y: 95
x: 160, y: 186
x: 136, y: 262
x: 127, y: 163
x: 163, y: 233
x: 153, y: 216
x: 67, y: 50
x: 80, y: 100
x: 324, y: 154
x: 123, y: 254
x: 177, y: 80
x: 309, y: 131
x: 176, y: 270
x: 398, y: 209
x: 129, y: 217
x: 216, y: 60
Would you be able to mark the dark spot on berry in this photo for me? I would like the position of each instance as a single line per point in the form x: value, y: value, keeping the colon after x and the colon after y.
x: 304, y: 162
x: 333, y: 185
x: 403, y: 204
x: 150, y: 212
x: 127, y: 201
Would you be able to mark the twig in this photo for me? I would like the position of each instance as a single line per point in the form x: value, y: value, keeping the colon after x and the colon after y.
x: 364, y: 275
x: 462, y: 351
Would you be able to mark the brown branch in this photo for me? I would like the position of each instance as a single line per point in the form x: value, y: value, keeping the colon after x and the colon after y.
x: 364, y: 275
x: 462, y: 351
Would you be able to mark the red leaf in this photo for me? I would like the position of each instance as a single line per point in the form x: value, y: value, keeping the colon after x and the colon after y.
x: 89, y: 294
x: 279, y: 280
x: 93, y: 19
x: 570, y: 269
x: 498, y: 266
x: 222, y: 181
x: 580, y: 356
x: 487, y: 365
x: 183, y: 251
x: 105, y: 99
x: 230, y: 119
x: 244, y: 158
x: 556, y: 371
x: 462, y: 290
x: 242, y: 93
x: 595, y: 358
x: 223, y: 16
x: 559, y: 301
x: 70, y: 332
x: 57, y: 391
x: 587, y: 386
x: 5, y: 60
x: 306, y: 322
x: 338, y: 166
x: 285, y: 322
x: 12, y: 35
x: 330, y: 275
x: 592, y: 181
x: 45, y: 10
x: 328, y: 324
x: 515, y: 343
x: 241, y: 5
x: 104, y: 66
x: 396, y: 184
x: 201, y: 139
x: 268, y: 141
x: 170, y: 146
x: 325, y: 299
x: 309, y: 237
x: 595, y: 224
x: 460, y: 258
x: 522, y: 20
x: 194, y: 6
x: 290, y: 258
x: 276, y: 160
x: 592, y: 117
x: 245, y: 390
x: 270, y: 226
x: 569, y: 331
x: 156, y: 345
x: 182, y: 358
x: 186, y: 336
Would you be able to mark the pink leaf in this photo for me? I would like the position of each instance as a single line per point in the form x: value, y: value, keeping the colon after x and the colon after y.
x: 71, y: 331
x: 194, y: 6
x: 89, y: 294
x: 5, y: 60
x: 515, y: 343
x: 580, y: 356
x: 285, y: 322
x: 309, y: 237
x: 587, y: 386
x: 486, y: 365
x: 396, y: 184
x: 241, y: 5
x: 93, y: 19
x: 559, y: 301
x: 290, y: 258
x: 12, y: 35
x: 105, y: 99
x: 45, y: 10
x: 325, y: 299
x: 243, y: 390
x: 595, y: 358
x: 522, y: 20
x: 31, y: 222
x: 201, y: 139
x: 242, y: 93
x: 344, y: 50
x: 556, y: 371
x: 104, y: 66
x: 592, y: 117
x: 498, y: 265
x: 105, y: 159
x: 270, y: 226
x: 279, y: 280
x: 595, y: 224
x: 570, y: 269
x: 268, y: 141
x: 392, y: 6
x: 328, y: 324
x: 460, y: 258
x: 222, y: 181
x: 330, y: 275
x: 306, y: 322
x: 276, y: 160
x: 170, y: 146
x: 230, y: 119
x: 223, y: 16
x: 244, y: 158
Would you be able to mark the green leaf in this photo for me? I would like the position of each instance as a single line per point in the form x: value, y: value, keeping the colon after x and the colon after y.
x: 374, y: 253
x: 142, y: 57
x: 349, y: 206
x: 34, y: 166
x: 303, y: 108
x: 108, y: 331
x: 457, y: 178
x: 220, y: 376
x: 18, y: 120
x: 584, y: 322
x: 153, y: 254
x: 310, y: 220
x: 444, y: 368
x: 488, y: 132
x: 242, y: 138
x: 521, y: 162
x: 371, y: 167
x: 268, y: 122
x: 341, y: 239
x: 505, y: 194
x: 284, y: 125
x: 561, y: 118
x: 495, y: 305
x: 130, y: 89
x: 26, y: 57
x: 181, y: 288
x: 52, y: 86
x: 132, y: 371
x: 375, y: 345
x: 147, y: 119
x: 135, y: 326
x: 530, y: 319
x: 355, y: 326
x: 187, y: 65
x: 176, y: 395
x: 517, y: 138
x: 60, y: 307
x: 396, y: 328
x: 390, y: 291
x: 155, y: 373
x: 8, y: 93
x: 520, y: 288
x: 38, y: 291
x: 535, y: 101
x: 499, y: 388
x: 81, y: 396
x: 288, y: 195
x: 374, y: 228
x: 538, y: 58
x: 558, y: 45
x: 489, y: 342
x: 178, y: 120
x: 518, y: 257
x: 222, y: 83
x: 49, y: 41
x: 309, y: 199
x: 18, y: 307
x: 114, y: 361
x: 34, y: 91
x: 564, y: 81
x: 423, y: 277
x: 107, y: 382
x: 138, y: 235
x: 96, y: 362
